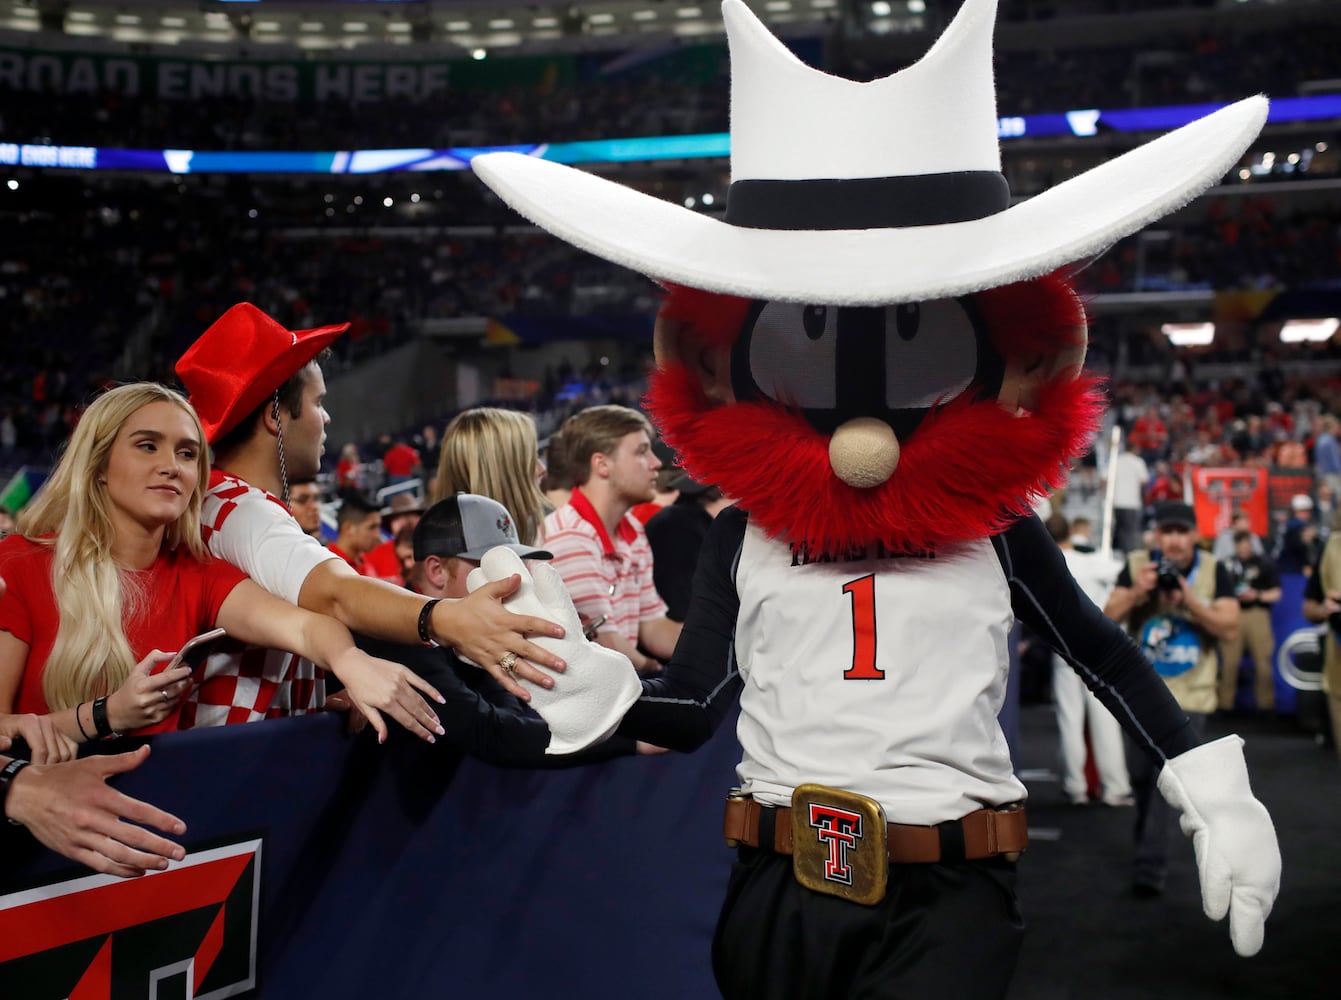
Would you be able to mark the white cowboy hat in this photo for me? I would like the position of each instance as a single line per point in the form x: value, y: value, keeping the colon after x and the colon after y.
x: 871, y: 193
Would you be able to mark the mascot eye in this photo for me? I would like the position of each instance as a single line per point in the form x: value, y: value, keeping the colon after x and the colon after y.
x: 931, y: 353
x: 793, y: 349
x: 907, y: 319
x: 813, y: 319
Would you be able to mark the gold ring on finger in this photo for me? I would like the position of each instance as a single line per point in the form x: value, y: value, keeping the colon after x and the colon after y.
x: 508, y: 661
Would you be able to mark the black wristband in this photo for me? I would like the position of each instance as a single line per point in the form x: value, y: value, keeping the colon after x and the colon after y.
x: 425, y: 617
x: 6, y: 778
x: 80, y: 722
x: 101, y: 724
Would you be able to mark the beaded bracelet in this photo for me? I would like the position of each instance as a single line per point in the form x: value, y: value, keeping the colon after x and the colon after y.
x: 425, y: 616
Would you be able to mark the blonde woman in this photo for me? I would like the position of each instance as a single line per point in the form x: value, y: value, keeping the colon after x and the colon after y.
x: 108, y: 576
x: 493, y: 452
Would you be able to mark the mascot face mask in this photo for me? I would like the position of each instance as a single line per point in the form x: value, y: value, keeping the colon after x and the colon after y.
x: 874, y: 346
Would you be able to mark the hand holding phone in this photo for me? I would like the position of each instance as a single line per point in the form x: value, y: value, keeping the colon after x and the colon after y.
x: 196, y: 650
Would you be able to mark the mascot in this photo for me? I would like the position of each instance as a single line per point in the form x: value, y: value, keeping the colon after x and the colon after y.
x: 880, y: 358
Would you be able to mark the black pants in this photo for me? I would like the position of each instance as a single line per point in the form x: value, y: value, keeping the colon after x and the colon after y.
x: 944, y: 930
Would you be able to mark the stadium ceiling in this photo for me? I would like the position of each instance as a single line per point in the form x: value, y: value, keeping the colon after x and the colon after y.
x: 369, y: 25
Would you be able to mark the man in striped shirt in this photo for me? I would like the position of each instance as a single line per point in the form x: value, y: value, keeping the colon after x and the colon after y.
x: 599, y: 548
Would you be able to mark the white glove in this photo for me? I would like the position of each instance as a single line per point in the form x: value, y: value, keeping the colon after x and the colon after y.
x: 589, y: 699
x: 1238, y: 858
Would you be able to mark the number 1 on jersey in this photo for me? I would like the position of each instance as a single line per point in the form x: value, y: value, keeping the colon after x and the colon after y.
x: 862, y: 592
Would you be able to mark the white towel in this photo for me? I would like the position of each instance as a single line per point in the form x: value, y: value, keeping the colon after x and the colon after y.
x: 588, y: 699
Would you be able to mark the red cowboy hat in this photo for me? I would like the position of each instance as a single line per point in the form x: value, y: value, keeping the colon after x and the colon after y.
x: 241, y: 360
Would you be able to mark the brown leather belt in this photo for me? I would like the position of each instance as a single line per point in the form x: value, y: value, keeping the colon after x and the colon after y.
x: 985, y: 833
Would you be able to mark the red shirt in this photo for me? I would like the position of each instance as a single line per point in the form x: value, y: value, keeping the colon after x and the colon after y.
x: 360, y: 567
x: 383, y: 563
x: 184, y: 597
x: 400, y: 460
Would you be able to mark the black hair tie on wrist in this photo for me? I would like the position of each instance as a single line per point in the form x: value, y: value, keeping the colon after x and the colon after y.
x: 7, y: 774
x: 79, y: 721
x: 425, y: 617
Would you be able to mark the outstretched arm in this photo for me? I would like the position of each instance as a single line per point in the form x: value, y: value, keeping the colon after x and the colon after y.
x: 70, y: 808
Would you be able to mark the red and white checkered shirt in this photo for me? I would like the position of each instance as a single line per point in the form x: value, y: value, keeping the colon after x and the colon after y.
x: 253, y: 530
x: 610, y: 577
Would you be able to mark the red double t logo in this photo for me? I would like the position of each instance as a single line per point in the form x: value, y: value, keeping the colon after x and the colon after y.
x: 840, y: 829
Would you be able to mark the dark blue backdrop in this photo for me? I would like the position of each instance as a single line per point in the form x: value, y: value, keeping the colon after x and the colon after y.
x: 396, y: 870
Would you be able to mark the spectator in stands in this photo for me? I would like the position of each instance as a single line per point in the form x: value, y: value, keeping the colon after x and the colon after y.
x: 1129, y: 477
x: 6, y: 521
x: 384, y: 561
x: 676, y: 534
x: 1149, y: 436
x: 1076, y: 704
x: 599, y: 549
x: 1163, y: 485
x: 493, y: 452
x: 260, y: 391
x: 349, y: 470
x: 359, y: 531
x: 1257, y: 587
x: 305, y: 503
x: 400, y: 463
x: 481, y: 718
x: 1327, y: 454
x: 428, y: 446
x: 557, y: 483
x: 109, y: 569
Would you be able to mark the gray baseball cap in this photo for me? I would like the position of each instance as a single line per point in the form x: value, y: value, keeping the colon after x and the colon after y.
x: 466, y: 525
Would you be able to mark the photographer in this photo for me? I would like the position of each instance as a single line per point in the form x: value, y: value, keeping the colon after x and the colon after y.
x: 1177, y: 602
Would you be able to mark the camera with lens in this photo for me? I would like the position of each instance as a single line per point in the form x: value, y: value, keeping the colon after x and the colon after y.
x: 1168, y: 576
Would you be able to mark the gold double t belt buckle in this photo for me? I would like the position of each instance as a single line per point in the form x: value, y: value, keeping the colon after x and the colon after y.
x: 839, y: 843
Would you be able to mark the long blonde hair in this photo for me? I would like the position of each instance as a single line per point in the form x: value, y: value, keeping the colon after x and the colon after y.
x: 492, y: 452
x: 93, y: 595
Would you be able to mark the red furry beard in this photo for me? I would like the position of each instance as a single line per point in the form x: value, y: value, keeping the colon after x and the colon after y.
x: 969, y: 470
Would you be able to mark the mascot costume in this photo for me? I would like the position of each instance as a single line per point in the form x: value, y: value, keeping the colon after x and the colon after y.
x: 880, y: 358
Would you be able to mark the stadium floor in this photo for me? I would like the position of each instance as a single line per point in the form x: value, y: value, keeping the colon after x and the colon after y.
x: 1090, y: 939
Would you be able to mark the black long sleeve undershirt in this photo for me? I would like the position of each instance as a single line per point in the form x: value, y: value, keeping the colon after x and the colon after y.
x: 682, y: 707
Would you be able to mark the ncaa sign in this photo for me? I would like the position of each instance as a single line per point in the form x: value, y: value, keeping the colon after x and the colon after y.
x: 187, y: 932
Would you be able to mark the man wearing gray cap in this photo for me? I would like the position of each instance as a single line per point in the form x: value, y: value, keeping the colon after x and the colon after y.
x: 1177, y: 602
x: 480, y: 717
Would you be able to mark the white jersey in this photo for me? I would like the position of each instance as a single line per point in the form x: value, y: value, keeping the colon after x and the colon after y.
x: 883, y: 676
x: 254, y: 531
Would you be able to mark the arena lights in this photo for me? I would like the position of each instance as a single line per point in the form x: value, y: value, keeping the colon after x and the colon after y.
x: 1189, y: 334
x: 1311, y: 331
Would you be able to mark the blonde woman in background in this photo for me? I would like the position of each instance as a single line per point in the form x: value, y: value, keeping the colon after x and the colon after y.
x: 108, y: 568
x: 493, y: 452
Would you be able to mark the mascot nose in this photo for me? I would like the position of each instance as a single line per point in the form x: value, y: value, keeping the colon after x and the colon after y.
x: 864, y: 452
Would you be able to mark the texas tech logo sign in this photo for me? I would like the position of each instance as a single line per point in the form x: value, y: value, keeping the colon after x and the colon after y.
x: 188, y: 932
x: 840, y: 830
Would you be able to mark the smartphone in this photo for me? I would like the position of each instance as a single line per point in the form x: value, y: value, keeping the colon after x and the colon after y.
x: 590, y: 630
x: 195, y: 651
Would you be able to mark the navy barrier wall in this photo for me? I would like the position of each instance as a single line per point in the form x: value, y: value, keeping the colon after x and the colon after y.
x: 325, y: 865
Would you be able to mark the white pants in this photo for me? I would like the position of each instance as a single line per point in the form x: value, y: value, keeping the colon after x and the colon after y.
x: 1075, y: 702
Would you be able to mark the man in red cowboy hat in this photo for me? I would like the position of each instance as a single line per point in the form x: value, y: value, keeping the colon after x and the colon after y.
x: 259, y: 390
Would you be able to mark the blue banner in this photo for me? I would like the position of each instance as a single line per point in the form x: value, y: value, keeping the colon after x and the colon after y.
x: 1081, y: 123
x: 326, y: 866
